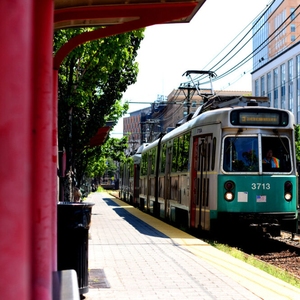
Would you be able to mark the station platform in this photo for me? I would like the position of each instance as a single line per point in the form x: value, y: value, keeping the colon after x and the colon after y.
x: 135, y: 256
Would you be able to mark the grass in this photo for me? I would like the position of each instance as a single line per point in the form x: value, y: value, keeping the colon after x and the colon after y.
x: 100, y: 189
x: 272, y: 270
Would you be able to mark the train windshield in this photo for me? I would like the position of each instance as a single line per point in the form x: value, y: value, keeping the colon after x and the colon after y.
x: 241, y: 154
x: 276, y: 155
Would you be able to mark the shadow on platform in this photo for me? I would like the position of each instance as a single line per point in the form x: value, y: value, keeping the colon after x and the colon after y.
x: 138, y: 224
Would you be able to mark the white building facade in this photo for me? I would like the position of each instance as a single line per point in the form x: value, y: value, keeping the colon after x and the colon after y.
x: 276, y: 63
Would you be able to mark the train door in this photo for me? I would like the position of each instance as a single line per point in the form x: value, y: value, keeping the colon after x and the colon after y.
x: 168, y: 180
x: 200, y: 182
x: 136, y: 188
x: 194, y: 168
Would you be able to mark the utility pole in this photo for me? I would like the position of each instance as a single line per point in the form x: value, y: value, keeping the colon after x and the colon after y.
x: 189, y: 95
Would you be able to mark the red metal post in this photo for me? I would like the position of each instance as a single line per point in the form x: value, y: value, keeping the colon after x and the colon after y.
x: 15, y: 150
x: 42, y: 160
x: 55, y: 184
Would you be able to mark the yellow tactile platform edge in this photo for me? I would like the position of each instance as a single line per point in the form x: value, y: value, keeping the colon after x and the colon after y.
x: 259, y: 282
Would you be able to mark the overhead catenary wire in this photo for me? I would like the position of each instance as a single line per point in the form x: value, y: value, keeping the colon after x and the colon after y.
x: 253, y: 68
x: 285, y: 23
x: 257, y: 18
x: 227, y: 58
x: 264, y: 44
x: 256, y: 21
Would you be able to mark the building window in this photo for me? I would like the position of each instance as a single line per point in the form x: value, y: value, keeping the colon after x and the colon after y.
x: 269, y: 86
x: 293, y: 16
x: 262, y: 86
x: 290, y: 84
x: 282, y: 89
x: 275, y: 83
x: 293, y: 28
x: 256, y: 88
x: 293, y: 38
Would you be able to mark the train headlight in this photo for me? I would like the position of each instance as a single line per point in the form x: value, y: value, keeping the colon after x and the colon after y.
x: 229, y: 187
x: 228, y: 196
x: 288, y: 196
x: 288, y: 187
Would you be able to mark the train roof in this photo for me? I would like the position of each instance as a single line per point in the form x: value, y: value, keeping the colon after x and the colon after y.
x: 141, y: 148
x: 215, y: 116
x: 136, y: 158
x: 221, y: 101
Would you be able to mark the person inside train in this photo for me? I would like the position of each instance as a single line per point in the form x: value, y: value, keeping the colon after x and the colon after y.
x: 270, y: 160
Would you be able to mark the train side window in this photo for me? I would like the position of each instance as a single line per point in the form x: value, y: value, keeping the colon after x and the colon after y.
x: 183, y: 152
x: 186, y: 151
x: 180, y: 153
x: 144, y: 164
x: 204, y: 153
x: 213, y: 155
x: 175, y: 155
x: 152, y: 162
x: 163, y: 158
x: 131, y: 167
x: 208, y: 155
x: 280, y: 160
x: 199, y: 154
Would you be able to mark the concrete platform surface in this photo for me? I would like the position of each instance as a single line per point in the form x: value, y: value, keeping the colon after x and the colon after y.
x: 133, y: 255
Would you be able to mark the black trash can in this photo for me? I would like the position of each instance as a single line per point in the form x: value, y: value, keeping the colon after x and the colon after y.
x: 73, y: 223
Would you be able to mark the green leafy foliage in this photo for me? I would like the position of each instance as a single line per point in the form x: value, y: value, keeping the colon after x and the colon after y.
x: 91, y: 82
x: 297, y: 142
x: 112, y: 151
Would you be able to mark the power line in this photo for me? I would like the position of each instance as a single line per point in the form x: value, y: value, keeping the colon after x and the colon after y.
x: 247, y: 58
x: 264, y: 44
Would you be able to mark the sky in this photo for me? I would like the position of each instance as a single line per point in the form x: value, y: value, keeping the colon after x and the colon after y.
x: 168, y: 50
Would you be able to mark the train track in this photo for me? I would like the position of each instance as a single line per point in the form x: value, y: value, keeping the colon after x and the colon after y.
x: 282, y: 252
x: 285, y: 253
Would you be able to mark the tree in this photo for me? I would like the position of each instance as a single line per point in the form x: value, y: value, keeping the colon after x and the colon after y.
x: 297, y: 142
x: 91, y: 82
x: 112, y: 150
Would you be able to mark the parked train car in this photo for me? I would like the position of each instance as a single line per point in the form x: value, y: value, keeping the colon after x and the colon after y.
x: 126, y: 169
x: 130, y: 176
x: 212, y: 171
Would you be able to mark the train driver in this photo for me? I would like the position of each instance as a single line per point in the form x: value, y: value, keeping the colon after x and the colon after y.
x: 271, y: 160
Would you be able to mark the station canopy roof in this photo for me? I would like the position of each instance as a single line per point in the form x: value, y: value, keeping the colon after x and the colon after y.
x: 92, y: 13
x: 115, y: 17
x: 100, y: 136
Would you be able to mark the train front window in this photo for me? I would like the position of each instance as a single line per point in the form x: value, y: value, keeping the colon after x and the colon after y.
x: 241, y: 154
x: 276, y: 156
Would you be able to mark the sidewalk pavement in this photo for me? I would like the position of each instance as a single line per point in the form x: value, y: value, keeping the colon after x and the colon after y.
x: 129, y: 259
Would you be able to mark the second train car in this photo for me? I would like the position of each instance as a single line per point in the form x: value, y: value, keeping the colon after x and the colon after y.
x: 215, y: 171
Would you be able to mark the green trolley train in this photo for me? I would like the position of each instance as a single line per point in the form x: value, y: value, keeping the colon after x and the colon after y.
x: 226, y: 168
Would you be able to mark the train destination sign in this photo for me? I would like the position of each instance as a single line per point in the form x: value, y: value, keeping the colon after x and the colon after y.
x: 259, y: 118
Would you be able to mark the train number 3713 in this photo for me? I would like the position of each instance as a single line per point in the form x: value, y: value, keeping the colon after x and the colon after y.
x: 260, y: 186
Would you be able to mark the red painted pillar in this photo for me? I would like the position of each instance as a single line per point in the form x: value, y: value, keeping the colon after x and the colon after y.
x: 55, y: 195
x: 15, y: 150
x: 42, y: 160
